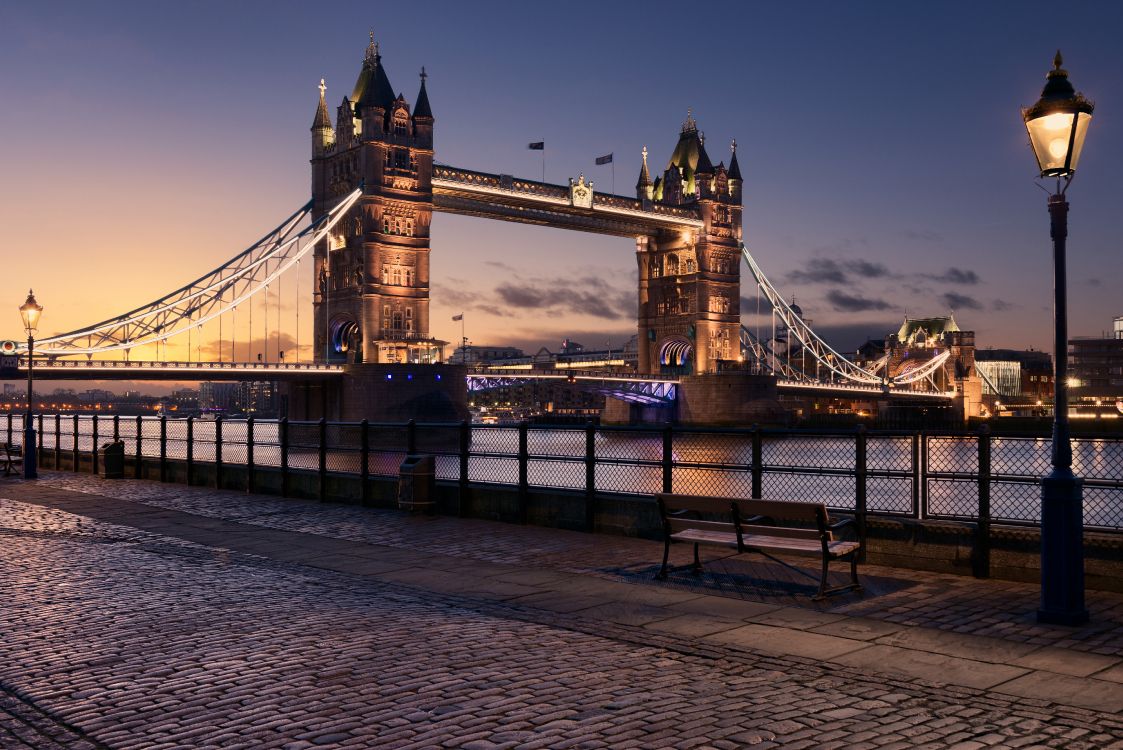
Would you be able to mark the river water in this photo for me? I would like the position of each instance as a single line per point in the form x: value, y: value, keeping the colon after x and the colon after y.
x: 796, y: 466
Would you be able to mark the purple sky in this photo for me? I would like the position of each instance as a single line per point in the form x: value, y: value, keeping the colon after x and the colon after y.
x: 886, y: 166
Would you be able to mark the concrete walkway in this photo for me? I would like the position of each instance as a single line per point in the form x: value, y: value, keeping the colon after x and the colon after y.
x: 1057, y: 684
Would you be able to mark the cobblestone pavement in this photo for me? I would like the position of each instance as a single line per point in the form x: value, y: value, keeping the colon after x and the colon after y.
x: 1000, y: 609
x: 113, y: 637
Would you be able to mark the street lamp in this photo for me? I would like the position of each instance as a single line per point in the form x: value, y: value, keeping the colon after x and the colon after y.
x: 1057, y: 125
x: 30, y: 312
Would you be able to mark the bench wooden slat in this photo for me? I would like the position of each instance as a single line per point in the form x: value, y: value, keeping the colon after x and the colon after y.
x: 797, y: 546
x: 787, y: 531
x: 782, y: 510
x: 681, y: 524
x: 717, y: 505
x: 705, y: 536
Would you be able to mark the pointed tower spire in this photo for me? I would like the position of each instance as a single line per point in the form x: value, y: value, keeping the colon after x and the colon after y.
x: 422, y: 108
x: 643, y: 184
x: 734, y: 168
x: 322, y: 120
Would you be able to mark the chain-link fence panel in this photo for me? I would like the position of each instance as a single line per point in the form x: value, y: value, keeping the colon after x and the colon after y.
x: 615, y: 444
x: 1015, y: 502
x: 1020, y: 457
x: 719, y: 482
x: 953, y: 498
x: 629, y: 478
x: 953, y: 455
x: 807, y: 451
x: 304, y: 445
x: 891, y: 453
x: 234, y: 441
x: 204, y: 440
x: 388, y: 444
x: 1100, y: 459
x: 177, y: 438
x: 493, y: 470
x: 1103, y: 507
x: 495, y: 440
x: 889, y: 494
x: 561, y: 473
x: 833, y: 490
x: 150, y: 436
x: 266, y: 443
x: 343, y: 447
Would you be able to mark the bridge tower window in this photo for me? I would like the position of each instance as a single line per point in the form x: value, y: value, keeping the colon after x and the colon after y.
x: 672, y: 265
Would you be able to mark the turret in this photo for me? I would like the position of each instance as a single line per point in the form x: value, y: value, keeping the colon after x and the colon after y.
x: 373, y: 96
x: 323, y: 137
x: 423, y: 116
x: 644, y: 187
x: 734, y: 175
x: 704, y: 171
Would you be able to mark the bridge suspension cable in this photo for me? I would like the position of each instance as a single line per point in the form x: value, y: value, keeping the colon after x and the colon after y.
x: 822, y: 352
x: 210, y: 296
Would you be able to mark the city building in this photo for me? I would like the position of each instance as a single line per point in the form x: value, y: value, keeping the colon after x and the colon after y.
x: 1096, y: 373
x: 1016, y: 377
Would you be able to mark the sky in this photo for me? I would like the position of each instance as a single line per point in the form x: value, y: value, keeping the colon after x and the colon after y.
x: 886, y: 167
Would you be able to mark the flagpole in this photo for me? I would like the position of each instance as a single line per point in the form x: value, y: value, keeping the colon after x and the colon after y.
x: 543, y: 163
x: 613, y: 163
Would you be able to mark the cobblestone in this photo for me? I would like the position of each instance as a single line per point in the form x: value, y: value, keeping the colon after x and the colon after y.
x: 114, y: 636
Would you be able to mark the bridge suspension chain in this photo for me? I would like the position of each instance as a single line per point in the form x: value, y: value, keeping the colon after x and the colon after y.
x: 215, y: 293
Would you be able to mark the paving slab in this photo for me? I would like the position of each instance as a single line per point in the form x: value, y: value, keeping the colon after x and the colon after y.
x: 1067, y: 661
x: 627, y: 613
x: 693, y: 625
x: 796, y: 618
x: 561, y: 602
x: 775, y: 640
x: 858, y: 628
x: 1112, y: 674
x: 1090, y: 693
x: 720, y: 606
x: 929, y: 666
x: 979, y: 648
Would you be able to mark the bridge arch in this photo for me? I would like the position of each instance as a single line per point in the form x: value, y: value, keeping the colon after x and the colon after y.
x: 676, y: 355
x: 345, y: 340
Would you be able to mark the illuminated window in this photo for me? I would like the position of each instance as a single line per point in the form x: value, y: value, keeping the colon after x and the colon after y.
x: 397, y: 277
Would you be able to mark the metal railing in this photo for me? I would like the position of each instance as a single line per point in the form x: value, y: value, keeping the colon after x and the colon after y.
x: 962, y: 476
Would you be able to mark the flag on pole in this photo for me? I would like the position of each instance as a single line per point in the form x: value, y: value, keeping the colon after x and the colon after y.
x: 458, y: 317
x: 606, y: 159
x: 539, y: 146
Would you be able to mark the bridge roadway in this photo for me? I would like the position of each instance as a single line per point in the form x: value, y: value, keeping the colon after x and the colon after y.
x: 638, y: 388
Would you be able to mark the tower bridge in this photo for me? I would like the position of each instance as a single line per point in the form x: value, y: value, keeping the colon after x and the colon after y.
x: 366, y: 232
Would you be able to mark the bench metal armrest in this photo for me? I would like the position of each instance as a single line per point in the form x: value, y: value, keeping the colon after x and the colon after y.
x: 841, y: 524
x: 757, y: 519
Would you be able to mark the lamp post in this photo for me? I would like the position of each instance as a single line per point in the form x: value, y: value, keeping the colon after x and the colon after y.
x: 1057, y: 125
x: 30, y: 312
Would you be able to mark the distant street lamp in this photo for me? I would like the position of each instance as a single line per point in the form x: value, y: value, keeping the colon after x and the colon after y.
x: 30, y: 312
x: 1057, y: 125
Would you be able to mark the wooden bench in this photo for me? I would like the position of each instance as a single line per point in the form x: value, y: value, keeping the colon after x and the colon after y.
x: 758, y: 526
x: 13, y: 457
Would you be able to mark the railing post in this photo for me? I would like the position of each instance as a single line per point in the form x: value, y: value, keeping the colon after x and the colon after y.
x: 58, y: 440
x: 251, y: 483
x: 74, y: 447
x: 163, y: 448
x: 590, y: 476
x: 981, y: 558
x: 40, y: 447
x: 93, y: 450
x: 524, y: 461
x: 917, y: 475
x: 218, y: 453
x: 283, y: 439
x: 411, y: 437
x: 860, y: 487
x: 116, y: 427
x: 465, y: 450
x: 758, y: 463
x: 323, y: 466
x: 364, y: 461
x: 668, y: 458
x: 9, y: 428
x: 190, y: 449
x: 139, y: 446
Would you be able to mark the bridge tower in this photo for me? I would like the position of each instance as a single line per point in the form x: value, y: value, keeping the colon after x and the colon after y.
x: 690, y: 281
x: 371, y: 298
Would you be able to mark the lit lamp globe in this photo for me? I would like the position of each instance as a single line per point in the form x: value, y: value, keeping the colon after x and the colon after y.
x: 1058, y: 123
x: 30, y: 312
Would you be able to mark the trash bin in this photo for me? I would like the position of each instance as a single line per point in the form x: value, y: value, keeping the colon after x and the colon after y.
x: 111, y: 460
x: 417, y: 484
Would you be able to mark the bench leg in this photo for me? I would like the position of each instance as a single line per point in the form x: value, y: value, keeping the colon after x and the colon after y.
x: 697, y: 567
x: 662, y: 574
x: 854, y: 582
x: 823, y: 580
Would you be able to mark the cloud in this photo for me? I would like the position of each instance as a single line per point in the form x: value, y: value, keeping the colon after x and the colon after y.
x: 960, y: 302
x: 830, y: 271
x: 923, y: 235
x: 1000, y: 304
x: 585, y: 296
x: 956, y: 276
x: 844, y: 302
